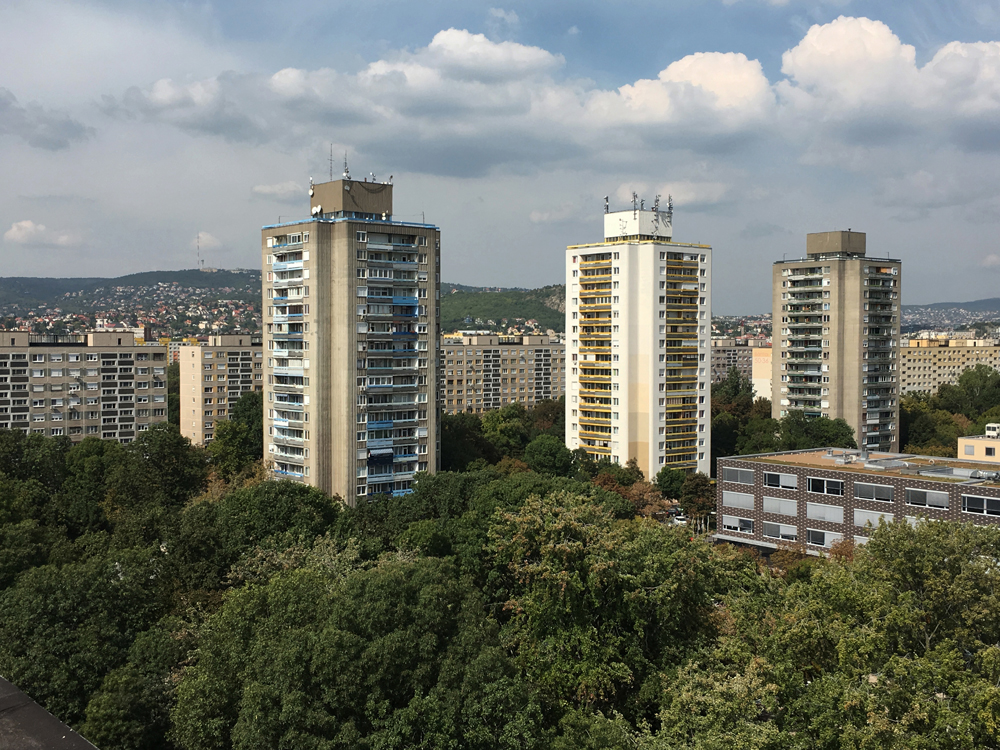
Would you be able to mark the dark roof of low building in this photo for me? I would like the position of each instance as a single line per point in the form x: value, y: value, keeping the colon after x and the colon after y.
x: 24, y: 725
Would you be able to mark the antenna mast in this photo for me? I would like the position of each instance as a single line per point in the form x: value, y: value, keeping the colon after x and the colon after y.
x: 347, y: 172
x: 331, y: 162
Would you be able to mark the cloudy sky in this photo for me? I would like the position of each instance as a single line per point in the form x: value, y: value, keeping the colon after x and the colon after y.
x: 130, y: 133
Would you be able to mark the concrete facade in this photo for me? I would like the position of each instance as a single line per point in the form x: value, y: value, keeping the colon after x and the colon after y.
x: 927, y: 364
x: 818, y: 497
x: 836, y: 335
x: 738, y: 353
x: 214, y: 375
x: 351, y: 311
x: 760, y: 374
x: 100, y: 384
x: 480, y: 373
x: 638, y: 328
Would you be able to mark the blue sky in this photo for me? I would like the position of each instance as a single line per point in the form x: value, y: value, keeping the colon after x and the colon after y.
x: 132, y: 132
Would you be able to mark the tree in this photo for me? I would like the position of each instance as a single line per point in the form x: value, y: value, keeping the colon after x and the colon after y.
x: 670, y: 481
x: 799, y: 432
x: 507, y: 429
x: 697, y: 495
x: 239, y: 442
x: 462, y: 442
x: 548, y: 455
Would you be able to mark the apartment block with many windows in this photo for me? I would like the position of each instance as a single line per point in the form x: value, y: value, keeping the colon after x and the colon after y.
x: 214, y: 375
x: 351, y: 311
x: 479, y: 373
x: 820, y: 497
x: 99, y: 384
x: 638, y: 327
x: 836, y: 337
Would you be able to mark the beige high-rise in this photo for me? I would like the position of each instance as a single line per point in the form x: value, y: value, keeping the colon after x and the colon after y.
x: 351, y: 317
x: 214, y: 375
x: 836, y: 336
x: 638, y: 327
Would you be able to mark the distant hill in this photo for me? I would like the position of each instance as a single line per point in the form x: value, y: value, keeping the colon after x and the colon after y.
x: 461, y: 309
x: 28, y: 291
x: 980, y: 305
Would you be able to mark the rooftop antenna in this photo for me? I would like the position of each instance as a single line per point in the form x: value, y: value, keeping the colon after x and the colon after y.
x: 670, y: 208
x: 605, y: 204
x: 635, y: 207
x: 642, y: 205
x: 331, y: 162
x: 347, y: 171
x: 656, y: 205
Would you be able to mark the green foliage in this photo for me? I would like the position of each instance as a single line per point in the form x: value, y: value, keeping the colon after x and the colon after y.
x: 548, y: 455
x: 485, y: 610
x: 174, y: 393
x: 238, y: 443
x: 670, y: 481
x: 531, y: 304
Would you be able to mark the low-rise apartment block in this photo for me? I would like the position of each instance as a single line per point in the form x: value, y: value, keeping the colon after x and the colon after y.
x: 100, y: 384
x: 927, y: 364
x: 214, y: 375
x: 819, y: 497
x: 480, y: 373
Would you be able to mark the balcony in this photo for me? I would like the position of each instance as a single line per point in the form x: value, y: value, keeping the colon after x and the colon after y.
x: 287, y: 265
x: 286, y: 283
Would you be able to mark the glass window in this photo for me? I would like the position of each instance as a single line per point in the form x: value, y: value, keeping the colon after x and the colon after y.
x: 780, y: 531
x: 784, y: 481
x: 864, y: 517
x: 826, y: 486
x: 781, y: 506
x: 821, y: 512
x: 984, y: 506
x: 740, y: 476
x: 741, y: 525
x: 864, y: 491
x: 737, y: 500
x: 926, y: 498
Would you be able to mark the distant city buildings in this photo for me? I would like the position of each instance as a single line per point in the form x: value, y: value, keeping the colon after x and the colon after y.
x: 735, y: 352
x: 484, y: 372
x: 100, y: 384
x: 351, y: 332
x: 213, y: 377
x: 836, y: 335
x: 925, y: 364
x: 638, y: 330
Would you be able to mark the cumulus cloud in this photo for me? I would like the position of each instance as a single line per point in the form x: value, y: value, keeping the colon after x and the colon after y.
x: 28, y: 232
x: 290, y: 190
x: 850, y: 95
x: 500, y: 22
x: 205, y: 241
x: 37, y: 126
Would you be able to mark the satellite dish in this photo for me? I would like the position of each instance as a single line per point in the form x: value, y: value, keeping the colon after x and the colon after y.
x: 347, y: 186
x: 311, y: 192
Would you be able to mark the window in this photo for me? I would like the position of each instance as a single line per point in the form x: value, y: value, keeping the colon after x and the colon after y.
x: 821, y: 512
x: 991, y: 451
x: 781, y: 506
x: 741, y: 525
x: 864, y: 517
x: 927, y: 498
x: 970, y: 450
x: 822, y: 538
x: 984, y: 506
x: 826, y: 486
x: 780, y: 531
x: 737, y: 500
x: 784, y: 481
x: 740, y: 476
x: 881, y: 492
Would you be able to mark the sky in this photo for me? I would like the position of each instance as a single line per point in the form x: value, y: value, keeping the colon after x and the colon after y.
x: 135, y: 135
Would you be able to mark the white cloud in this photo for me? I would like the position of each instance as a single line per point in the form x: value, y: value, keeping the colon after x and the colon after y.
x: 28, y: 232
x: 572, y: 31
x: 991, y: 261
x: 562, y: 213
x: 281, y: 191
x: 37, y: 126
x: 500, y: 22
x: 205, y: 241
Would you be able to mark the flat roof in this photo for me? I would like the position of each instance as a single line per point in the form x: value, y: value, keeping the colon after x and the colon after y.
x: 337, y: 220
x: 880, y: 464
x: 608, y: 243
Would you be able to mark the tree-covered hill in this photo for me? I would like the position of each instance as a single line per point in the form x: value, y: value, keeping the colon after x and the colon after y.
x: 475, y: 309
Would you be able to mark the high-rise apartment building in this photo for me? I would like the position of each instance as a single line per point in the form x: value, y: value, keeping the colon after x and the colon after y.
x: 351, y: 316
x: 638, y: 327
x: 480, y: 373
x: 214, y: 375
x: 101, y: 384
x: 836, y: 335
x: 927, y: 364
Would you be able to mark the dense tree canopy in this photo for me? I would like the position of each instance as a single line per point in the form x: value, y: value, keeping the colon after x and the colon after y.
x: 496, y: 608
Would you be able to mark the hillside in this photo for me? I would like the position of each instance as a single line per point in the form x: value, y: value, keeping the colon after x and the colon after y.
x: 463, y: 309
